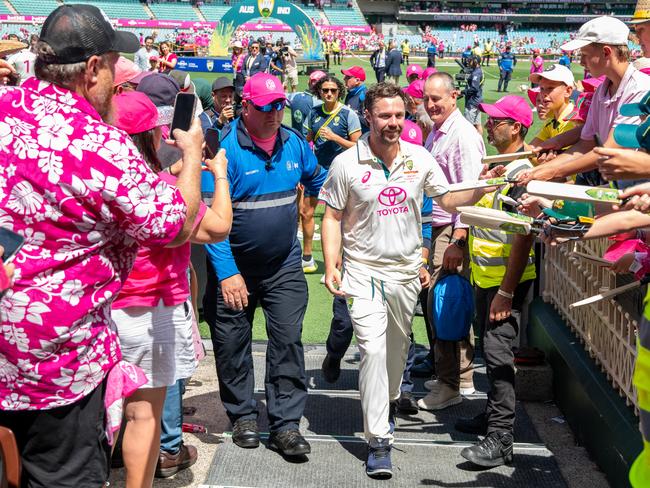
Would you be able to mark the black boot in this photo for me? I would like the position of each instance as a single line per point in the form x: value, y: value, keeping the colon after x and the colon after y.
x: 406, y: 404
x: 494, y: 450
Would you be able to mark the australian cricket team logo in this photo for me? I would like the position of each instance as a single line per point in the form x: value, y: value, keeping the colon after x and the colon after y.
x: 209, y: 64
x: 265, y: 7
x: 409, y: 165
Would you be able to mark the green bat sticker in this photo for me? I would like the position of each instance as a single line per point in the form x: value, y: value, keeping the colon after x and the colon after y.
x: 496, y: 181
x: 604, y: 194
x: 524, y: 218
x: 513, y: 228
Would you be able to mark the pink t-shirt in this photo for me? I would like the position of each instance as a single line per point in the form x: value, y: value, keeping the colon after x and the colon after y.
x: 265, y: 145
x: 80, y: 194
x: 159, y: 273
x: 537, y: 66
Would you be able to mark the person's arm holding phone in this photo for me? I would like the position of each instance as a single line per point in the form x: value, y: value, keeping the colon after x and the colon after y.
x: 215, y: 225
x: 190, y: 143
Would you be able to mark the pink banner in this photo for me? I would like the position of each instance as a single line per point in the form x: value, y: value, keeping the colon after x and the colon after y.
x: 188, y: 24
x: 164, y: 24
x: 22, y: 18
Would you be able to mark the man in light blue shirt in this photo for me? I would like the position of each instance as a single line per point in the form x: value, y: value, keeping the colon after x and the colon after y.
x: 146, y: 52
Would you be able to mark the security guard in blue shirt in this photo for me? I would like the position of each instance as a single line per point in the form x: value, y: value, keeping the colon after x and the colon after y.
x: 507, y: 63
x: 260, y: 265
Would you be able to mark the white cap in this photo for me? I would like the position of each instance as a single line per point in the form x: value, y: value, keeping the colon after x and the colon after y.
x: 237, y: 44
x: 603, y: 30
x: 556, y: 73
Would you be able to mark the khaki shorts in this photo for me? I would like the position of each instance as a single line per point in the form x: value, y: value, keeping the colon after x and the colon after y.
x: 291, y: 79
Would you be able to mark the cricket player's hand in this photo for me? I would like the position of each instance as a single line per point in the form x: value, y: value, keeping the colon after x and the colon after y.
x: 638, y: 198
x: 543, y: 172
x: 495, y: 172
x: 622, y: 164
x: 425, y: 277
x: 622, y: 264
x: 235, y: 293
x: 500, y: 308
x: 532, y: 205
x: 333, y: 282
x: 452, y: 258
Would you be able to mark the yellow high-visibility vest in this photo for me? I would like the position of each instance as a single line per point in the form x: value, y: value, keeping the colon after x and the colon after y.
x: 489, y: 250
x: 640, y: 471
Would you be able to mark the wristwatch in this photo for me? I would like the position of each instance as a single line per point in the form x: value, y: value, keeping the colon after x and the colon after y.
x: 461, y: 243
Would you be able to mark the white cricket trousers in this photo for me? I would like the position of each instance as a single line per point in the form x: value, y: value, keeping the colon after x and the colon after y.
x: 381, y: 315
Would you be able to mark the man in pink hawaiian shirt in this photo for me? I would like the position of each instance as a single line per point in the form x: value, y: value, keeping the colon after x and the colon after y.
x: 80, y: 194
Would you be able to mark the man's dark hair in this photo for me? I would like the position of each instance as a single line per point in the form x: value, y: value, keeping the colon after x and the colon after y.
x: 382, y: 90
x: 148, y: 38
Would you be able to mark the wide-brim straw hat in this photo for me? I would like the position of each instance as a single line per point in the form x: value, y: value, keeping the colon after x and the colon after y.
x: 641, y: 12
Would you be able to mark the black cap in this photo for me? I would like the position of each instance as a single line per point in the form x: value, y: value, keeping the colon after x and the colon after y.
x: 160, y: 88
x: 222, y: 82
x: 77, y: 32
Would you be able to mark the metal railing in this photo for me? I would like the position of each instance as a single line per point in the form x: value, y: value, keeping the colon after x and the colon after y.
x: 606, y: 328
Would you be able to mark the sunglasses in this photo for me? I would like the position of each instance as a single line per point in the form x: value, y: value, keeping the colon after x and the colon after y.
x: 329, y: 90
x: 269, y: 107
x: 494, y: 122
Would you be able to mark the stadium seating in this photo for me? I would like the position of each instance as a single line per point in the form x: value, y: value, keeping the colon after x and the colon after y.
x: 4, y: 9
x: 32, y: 7
x: 118, y: 9
x: 345, y: 17
x: 173, y: 11
x: 213, y: 12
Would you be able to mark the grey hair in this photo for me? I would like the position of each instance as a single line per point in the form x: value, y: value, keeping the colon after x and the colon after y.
x: 63, y: 75
x: 446, y: 78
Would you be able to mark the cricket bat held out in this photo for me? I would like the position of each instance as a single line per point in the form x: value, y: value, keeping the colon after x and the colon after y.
x: 577, y: 193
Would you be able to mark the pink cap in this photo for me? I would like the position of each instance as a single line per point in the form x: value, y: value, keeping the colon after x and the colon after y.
x: 590, y: 84
x: 316, y: 75
x: 532, y: 95
x: 581, y: 108
x: 414, y: 69
x: 125, y: 70
x: 356, y: 71
x: 411, y: 133
x: 415, y: 89
x: 134, y: 112
x: 509, y: 107
x: 263, y: 88
x: 428, y: 72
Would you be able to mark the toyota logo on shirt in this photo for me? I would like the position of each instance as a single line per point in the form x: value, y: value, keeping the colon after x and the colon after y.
x: 391, y: 196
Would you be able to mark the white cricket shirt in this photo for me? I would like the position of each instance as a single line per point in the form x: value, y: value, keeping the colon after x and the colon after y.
x: 23, y: 61
x: 382, y: 223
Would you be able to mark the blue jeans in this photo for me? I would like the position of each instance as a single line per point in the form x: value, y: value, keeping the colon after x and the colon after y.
x: 171, y: 434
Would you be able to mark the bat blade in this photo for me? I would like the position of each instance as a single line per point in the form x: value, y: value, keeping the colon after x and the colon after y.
x: 578, y: 193
x: 606, y: 294
x: 506, y: 158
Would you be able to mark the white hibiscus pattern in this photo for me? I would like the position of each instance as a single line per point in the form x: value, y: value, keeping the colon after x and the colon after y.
x: 84, y: 200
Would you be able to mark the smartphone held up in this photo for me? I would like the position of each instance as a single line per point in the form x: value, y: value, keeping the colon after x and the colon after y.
x: 184, y: 108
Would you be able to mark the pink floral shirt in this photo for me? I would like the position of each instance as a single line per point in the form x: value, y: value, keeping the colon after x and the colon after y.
x: 82, y: 197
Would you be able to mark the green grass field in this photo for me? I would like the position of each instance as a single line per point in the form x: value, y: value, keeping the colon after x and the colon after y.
x: 319, y: 310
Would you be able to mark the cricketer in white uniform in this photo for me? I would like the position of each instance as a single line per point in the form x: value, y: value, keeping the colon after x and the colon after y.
x: 23, y: 62
x: 374, y: 194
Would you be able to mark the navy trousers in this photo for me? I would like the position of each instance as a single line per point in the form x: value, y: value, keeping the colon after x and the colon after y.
x: 283, y: 298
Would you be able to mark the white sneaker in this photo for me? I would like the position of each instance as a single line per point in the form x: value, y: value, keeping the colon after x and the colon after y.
x: 309, y: 266
x: 440, y: 398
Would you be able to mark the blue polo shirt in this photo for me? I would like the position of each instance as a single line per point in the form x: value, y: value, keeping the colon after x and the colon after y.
x: 345, y: 123
x: 263, y: 191
x: 301, y: 104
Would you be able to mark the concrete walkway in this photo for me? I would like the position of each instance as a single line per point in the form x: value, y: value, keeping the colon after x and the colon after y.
x: 426, y: 453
